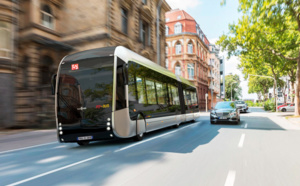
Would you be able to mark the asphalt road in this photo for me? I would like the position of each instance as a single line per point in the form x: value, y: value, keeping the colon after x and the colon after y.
x: 262, y: 150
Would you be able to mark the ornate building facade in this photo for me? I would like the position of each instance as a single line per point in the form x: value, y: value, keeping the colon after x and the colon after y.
x: 214, y: 77
x: 187, y: 50
x: 42, y: 32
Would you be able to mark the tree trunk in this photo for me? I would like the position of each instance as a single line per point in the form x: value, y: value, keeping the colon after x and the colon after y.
x: 297, y: 91
x: 292, y: 92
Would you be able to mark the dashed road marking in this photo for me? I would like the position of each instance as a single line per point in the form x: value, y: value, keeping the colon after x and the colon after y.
x: 246, y: 125
x: 241, y: 141
x: 230, y: 178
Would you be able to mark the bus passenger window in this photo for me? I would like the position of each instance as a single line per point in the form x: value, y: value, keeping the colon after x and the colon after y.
x: 151, y: 95
x: 141, y: 90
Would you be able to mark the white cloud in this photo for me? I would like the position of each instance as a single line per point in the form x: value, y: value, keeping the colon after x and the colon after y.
x: 183, y: 4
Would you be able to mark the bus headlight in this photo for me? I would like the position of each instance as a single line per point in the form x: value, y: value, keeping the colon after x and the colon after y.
x: 108, y: 128
x: 61, y: 133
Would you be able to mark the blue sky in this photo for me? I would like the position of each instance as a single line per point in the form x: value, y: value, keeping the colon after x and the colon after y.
x: 213, y: 20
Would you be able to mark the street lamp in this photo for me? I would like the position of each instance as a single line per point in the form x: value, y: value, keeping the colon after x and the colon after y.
x: 231, y: 90
x: 276, y: 92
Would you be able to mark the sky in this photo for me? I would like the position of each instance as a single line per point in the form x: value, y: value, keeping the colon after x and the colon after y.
x: 214, y: 20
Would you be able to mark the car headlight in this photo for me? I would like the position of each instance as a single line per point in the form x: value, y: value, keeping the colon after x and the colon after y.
x: 213, y: 113
x: 232, y: 114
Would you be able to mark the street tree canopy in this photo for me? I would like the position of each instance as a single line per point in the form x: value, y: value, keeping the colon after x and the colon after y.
x: 267, y: 39
x: 233, y: 81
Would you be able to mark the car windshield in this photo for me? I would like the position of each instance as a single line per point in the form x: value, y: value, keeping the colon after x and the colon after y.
x: 225, y: 105
x: 239, y: 102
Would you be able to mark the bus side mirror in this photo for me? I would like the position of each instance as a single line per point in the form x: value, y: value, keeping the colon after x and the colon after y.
x: 53, y: 83
x: 125, y: 74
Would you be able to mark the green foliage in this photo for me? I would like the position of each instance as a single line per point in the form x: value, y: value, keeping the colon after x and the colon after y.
x: 260, y: 85
x: 234, y: 81
x: 270, y: 105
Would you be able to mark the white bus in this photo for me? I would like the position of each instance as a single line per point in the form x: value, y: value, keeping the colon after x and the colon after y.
x: 113, y: 92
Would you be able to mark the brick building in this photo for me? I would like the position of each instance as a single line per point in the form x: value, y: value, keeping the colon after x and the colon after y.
x: 41, y: 32
x: 187, y: 50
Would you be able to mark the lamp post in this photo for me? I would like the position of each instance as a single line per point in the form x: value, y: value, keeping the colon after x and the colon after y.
x: 231, y: 90
x: 276, y: 92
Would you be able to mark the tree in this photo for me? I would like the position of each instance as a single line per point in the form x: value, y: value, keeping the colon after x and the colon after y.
x: 260, y: 85
x: 234, y: 81
x: 270, y: 30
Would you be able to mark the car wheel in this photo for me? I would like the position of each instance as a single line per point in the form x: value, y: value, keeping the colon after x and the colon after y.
x: 83, y: 143
x: 213, y: 122
x: 283, y: 110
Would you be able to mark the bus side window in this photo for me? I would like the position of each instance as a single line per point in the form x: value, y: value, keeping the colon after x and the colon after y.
x: 120, y: 94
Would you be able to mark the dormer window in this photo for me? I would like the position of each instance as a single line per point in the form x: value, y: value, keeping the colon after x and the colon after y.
x: 47, y: 17
x: 179, y: 17
x: 178, y: 28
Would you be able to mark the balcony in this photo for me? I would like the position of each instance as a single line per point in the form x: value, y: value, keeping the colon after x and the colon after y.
x: 211, y: 64
x: 210, y: 75
x: 211, y: 86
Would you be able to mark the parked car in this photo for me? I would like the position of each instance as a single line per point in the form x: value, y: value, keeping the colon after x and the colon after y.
x: 283, y: 105
x: 288, y: 108
x: 242, y: 106
x: 225, y: 111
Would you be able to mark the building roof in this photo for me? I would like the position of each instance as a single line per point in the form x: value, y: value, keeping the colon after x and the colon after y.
x: 173, y: 15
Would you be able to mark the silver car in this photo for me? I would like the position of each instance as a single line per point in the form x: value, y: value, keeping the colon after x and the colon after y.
x: 226, y: 112
x: 288, y: 108
x: 241, y: 105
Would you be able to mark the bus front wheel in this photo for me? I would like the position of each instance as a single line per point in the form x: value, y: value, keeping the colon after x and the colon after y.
x: 139, y: 137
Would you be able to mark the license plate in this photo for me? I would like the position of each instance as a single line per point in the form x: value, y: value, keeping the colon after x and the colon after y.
x: 85, y: 138
x: 223, y: 117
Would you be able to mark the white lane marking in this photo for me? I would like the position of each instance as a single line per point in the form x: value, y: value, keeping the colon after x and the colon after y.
x: 241, y: 141
x: 230, y: 178
x: 246, y: 125
x: 52, y: 159
x: 28, y: 147
x: 55, y: 170
x: 127, y: 147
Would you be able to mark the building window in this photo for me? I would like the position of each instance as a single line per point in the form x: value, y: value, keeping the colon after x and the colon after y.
x: 167, y: 48
x: 47, y: 17
x: 167, y: 63
x: 144, y: 2
x: 178, y: 48
x: 178, y: 28
x: 179, y: 17
x: 190, y: 48
x: 167, y: 30
x: 167, y: 19
x: 5, y: 39
x: 124, y: 20
x: 190, y: 68
x: 145, y: 33
x: 178, y: 70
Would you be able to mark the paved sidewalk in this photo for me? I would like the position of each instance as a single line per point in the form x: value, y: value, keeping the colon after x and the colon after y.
x: 14, y: 139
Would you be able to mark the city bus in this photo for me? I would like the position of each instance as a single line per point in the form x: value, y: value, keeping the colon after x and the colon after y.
x: 112, y: 92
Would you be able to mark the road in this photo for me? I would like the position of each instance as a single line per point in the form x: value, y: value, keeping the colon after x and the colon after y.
x: 262, y: 150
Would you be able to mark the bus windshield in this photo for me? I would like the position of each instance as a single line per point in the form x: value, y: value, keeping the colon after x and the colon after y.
x: 85, y: 90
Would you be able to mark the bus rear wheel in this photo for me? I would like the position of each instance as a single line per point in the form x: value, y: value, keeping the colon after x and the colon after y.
x: 139, y: 137
x: 83, y: 143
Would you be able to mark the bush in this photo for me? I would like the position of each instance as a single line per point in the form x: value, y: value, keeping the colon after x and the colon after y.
x: 269, y: 105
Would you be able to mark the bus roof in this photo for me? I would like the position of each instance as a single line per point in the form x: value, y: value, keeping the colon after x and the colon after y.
x: 126, y: 55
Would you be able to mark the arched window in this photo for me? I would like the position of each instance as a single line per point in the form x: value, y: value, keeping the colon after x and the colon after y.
x: 178, y: 48
x: 5, y: 39
x: 178, y: 70
x: 178, y: 28
x: 47, y: 16
x: 190, y: 68
x: 190, y: 47
x: 167, y: 30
